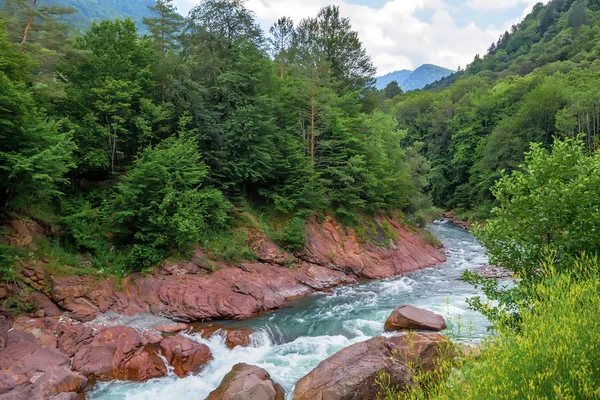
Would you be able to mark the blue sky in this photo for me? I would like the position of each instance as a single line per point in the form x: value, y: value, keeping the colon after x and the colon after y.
x: 404, y: 34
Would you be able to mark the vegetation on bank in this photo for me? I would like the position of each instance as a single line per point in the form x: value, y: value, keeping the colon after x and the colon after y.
x: 546, y: 335
x: 136, y: 148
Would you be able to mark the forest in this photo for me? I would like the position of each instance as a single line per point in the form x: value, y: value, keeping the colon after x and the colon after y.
x: 140, y: 146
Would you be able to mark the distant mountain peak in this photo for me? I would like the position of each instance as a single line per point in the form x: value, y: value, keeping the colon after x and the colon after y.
x: 413, y: 80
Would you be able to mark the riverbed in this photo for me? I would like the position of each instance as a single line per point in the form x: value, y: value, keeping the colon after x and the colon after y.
x: 292, y: 341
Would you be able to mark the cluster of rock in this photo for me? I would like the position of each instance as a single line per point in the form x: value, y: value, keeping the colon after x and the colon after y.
x: 354, y: 372
x: 493, y: 272
x: 56, y: 358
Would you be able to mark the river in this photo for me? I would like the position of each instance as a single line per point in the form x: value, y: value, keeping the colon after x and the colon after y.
x: 292, y: 341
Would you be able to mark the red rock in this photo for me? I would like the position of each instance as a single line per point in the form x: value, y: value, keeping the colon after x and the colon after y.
x: 29, y: 371
x: 422, y: 351
x: 184, y: 355
x: 44, y: 304
x: 172, y: 328
x: 409, y: 317
x: 247, y: 382
x: 6, y: 322
x: 118, y: 353
x: 21, y: 232
x: 334, y: 256
x: 352, y: 373
x: 59, y: 380
x: 73, y: 335
x: 42, y: 329
x: 240, y: 337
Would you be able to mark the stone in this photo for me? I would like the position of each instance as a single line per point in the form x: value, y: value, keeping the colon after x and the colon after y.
x: 72, y: 335
x: 247, y: 382
x: 352, y: 373
x: 422, y: 351
x: 409, y: 317
x: 120, y: 353
x: 240, y: 337
x: 6, y: 323
x: 44, y: 305
x: 172, y: 328
x: 184, y: 355
x: 41, y: 328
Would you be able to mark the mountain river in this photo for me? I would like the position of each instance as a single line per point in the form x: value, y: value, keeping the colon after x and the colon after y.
x: 291, y: 342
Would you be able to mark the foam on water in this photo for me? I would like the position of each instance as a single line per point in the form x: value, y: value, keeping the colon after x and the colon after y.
x: 292, y: 341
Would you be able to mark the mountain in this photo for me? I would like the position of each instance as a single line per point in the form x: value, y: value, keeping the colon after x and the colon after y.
x: 398, y: 76
x: 413, y: 80
x: 97, y: 10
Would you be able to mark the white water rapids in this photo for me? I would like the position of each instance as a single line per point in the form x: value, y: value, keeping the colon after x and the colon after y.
x: 292, y: 341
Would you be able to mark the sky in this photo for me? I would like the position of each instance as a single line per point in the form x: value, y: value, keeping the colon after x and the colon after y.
x: 404, y: 34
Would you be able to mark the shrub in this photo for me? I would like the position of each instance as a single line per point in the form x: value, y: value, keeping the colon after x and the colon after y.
x: 550, y: 205
x: 554, y: 355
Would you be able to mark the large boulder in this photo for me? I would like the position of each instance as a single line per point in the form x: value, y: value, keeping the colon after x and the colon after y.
x: 119, y: 353
x: 42, y: 329
x: 240, y: 337
x: 72, y: 336
x: 185, y: 355
x: 247, y: 382
x: 352, y: 373
x: 30, y: 371
x: 422, y: 351
x: 408, y: 317
x: 44, y: 306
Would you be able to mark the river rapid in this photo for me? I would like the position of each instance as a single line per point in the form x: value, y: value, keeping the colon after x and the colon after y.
x: 292, y: 341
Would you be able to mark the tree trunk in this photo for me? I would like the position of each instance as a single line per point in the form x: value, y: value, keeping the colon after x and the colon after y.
x: 28, y: 27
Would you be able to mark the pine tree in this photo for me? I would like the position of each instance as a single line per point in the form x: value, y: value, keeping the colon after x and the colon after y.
x: 282, y: 34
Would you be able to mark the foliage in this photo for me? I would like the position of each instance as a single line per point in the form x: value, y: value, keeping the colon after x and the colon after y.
x: 549, y: 206
x: 554, y: 355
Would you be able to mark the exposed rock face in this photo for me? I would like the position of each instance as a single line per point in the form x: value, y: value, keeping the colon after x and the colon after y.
x: 6, y: 322
x: 330, y: 244
x: 171, y: 328
x: 408, y: 317
x: 185, y: 355
x: 21, y: 232
x: 42, y: 330
x: 247, y: 382
x: 350, y: 374
x: 30, y: 371
x: 71, y: 336
x: 44, y: 306
x: 240, y: 337
x: 119, y: 353
x: 333, y: 257
x: 422, y: 350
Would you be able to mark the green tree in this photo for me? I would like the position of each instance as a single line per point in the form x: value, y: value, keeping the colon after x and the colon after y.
x: 548, y: 207
x: 392, y: 90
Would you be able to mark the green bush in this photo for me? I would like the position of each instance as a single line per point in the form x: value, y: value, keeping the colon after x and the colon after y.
x: 292, y: 236
x: 160, y: 206
x: 550, y: 205
x: 555, y: 355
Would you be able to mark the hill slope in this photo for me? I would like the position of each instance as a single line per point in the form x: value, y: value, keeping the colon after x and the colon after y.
x: 414, y: 80
x: 97, y: 10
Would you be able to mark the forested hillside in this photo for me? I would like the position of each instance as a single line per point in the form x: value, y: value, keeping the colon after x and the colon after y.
x: 138, y: 147
x: 88, y: 11
x: 413, y: 80
x: 541, y: 80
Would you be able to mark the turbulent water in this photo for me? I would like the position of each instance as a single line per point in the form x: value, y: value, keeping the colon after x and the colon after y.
x: 292, y: 341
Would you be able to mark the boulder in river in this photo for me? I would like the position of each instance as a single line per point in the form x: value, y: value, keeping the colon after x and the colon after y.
x: 247, y: 382
x: 422, y: 351
x: 119, y: 353
x: 185, y: 355
x: 240, y: 337
x: 408, y: 317
x: 352, y: 373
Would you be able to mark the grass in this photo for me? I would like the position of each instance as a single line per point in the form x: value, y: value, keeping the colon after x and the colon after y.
x: 554, y: 355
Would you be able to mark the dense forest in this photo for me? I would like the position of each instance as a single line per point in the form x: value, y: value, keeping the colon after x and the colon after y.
x: 138, y: 146
x: 540, y: 81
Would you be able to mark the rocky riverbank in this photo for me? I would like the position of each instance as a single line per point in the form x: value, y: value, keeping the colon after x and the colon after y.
x: 63, y: 351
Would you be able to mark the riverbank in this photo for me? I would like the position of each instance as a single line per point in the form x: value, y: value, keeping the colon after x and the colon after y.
x: 186, y: 291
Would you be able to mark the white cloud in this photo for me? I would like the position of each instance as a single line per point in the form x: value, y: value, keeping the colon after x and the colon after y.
x: 393, y: 35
